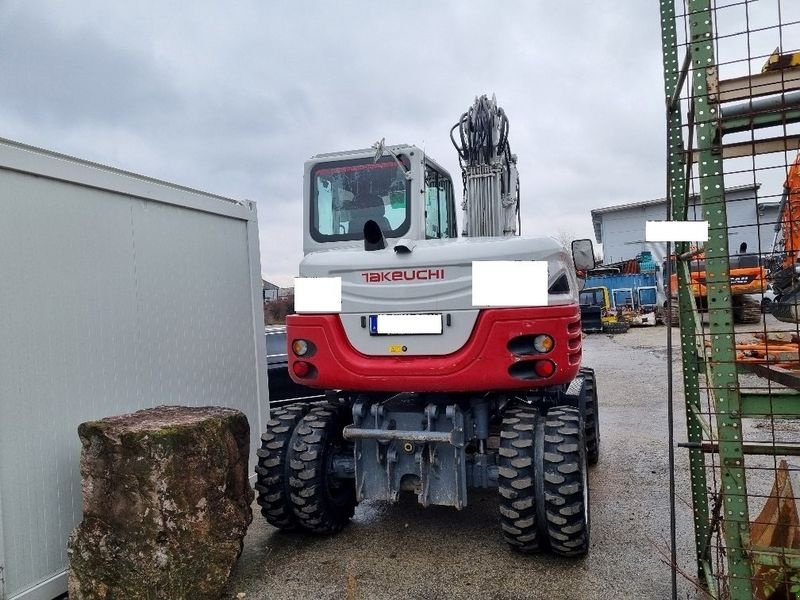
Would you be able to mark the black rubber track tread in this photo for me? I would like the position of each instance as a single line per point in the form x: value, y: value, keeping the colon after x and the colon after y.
x: 516, y: 479
x: 748, y: 312
x: 563, y: 469
x: 320, y: 504
x: 619, y: 327
x: 674, y: 319
x: 591, y: 416
x: 272, y: 477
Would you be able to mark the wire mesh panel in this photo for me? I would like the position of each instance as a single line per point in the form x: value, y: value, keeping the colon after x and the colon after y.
x: 732, y: 84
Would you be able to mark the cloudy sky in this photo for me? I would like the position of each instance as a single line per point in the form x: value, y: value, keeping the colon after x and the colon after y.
x: 232, y: 97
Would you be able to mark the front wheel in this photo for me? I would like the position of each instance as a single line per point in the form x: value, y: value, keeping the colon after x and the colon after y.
x: 516, y: 484
x: 564, y: 479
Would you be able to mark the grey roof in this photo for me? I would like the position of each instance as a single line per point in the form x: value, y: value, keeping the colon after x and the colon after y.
x: 597, y: 212
x: 16, y: 156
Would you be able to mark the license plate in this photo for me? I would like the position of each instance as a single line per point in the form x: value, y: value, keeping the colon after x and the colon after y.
x: 405, y: 324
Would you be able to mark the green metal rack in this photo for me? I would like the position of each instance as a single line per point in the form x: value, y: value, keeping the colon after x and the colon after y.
x: 719, y: 129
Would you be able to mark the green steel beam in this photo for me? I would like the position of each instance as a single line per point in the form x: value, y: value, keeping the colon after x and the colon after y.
x: 770, y: 556
x: 722, y: 376
x: 763, y: 406
x: 673, y: 82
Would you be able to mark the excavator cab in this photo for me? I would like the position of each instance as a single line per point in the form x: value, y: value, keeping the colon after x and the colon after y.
x: 403, y: 191
x: 348, y: 193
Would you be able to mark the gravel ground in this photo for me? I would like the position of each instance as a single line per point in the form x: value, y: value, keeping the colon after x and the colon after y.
x: 392, y: 551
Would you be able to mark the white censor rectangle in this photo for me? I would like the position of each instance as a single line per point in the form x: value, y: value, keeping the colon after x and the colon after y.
x: 318, y: 294
x: 408, y: 324
x: 676, y: 231
x: 509, y: 283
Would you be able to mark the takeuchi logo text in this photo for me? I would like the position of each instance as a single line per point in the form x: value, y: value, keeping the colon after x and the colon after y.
x: 403, y: 275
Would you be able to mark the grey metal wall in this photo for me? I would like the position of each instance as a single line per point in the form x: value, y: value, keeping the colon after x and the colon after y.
x: 110, y: 301
x: 623, y: 230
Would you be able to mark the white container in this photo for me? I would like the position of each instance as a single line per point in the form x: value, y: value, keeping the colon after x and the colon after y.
x: 117, y: 292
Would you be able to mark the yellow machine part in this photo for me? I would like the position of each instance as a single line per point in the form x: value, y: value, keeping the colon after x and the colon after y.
x: 778, y: 61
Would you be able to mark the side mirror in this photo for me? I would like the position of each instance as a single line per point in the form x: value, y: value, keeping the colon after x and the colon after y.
x: 583, y: 255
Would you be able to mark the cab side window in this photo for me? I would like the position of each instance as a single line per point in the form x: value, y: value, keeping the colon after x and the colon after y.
x: 439, y: 207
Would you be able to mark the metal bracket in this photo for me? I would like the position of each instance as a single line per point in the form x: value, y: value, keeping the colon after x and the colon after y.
x: 392, y: 456
x: 712, y: 82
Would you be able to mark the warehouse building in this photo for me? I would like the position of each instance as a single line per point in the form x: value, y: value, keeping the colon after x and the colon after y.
x: 621, y: 228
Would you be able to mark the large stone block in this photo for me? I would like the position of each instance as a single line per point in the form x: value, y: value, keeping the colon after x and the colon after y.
x: 166, y: 504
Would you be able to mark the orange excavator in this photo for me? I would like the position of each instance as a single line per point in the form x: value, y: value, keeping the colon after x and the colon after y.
x: 785, y: 269
x: 747, y: 276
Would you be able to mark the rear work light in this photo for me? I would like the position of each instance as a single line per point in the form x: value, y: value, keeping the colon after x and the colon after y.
x: 301, y: 368
x: 544, y: 368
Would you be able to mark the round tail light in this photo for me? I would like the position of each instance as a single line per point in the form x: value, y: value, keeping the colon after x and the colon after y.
x: 543, y: 368
x: 301, y: 368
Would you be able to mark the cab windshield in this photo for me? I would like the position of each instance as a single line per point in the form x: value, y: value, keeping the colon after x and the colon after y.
x: 591, y: 297
x: 347, y: 194
x: 647, y: 296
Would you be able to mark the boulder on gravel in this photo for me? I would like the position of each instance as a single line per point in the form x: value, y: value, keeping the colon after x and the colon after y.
x: 166, y: 504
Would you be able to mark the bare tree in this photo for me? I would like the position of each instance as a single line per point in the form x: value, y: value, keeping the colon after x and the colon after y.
x: 565, y: 237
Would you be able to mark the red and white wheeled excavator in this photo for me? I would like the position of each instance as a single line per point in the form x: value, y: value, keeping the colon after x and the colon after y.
x: 435, y: 384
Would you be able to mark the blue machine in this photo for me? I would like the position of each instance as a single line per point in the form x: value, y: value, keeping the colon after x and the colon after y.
x: 636, y: 294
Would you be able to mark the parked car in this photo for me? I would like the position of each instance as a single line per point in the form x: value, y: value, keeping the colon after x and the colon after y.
x: 281, y: 387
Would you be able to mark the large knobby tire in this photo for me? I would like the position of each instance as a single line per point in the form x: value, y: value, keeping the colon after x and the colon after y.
x: 321, y: 503
x: 591, y: 416
x: 518, y: 507
x: 272, y: 475
x: 564, y: 498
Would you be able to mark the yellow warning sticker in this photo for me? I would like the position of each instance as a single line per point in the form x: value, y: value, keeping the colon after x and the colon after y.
x: 397, y: 349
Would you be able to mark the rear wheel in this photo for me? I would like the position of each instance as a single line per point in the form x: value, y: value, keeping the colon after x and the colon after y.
x: 272, y: 477
x: 564, y: 480
x: 518, y: 506
x: 321, y: 502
